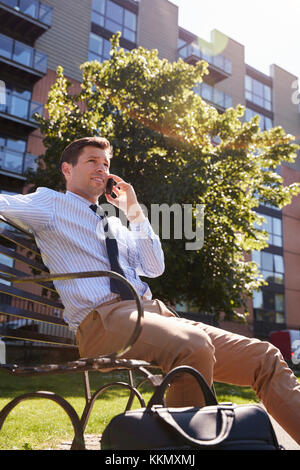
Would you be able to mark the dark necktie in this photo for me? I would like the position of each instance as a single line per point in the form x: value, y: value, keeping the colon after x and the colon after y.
x: 116, y: 286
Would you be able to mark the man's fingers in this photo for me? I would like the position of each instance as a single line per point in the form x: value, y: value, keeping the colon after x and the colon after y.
x: 116, y: 190
x: 120, y: 182
x: 111, y: 199
x: 115, y: 177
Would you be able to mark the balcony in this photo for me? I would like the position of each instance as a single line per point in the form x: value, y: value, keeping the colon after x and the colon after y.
x: 13, y: 163
x: 16, y: 112
x: 219, y: 66
x: 216, y: 98
x: 25, y: 19
x: 25, y: 64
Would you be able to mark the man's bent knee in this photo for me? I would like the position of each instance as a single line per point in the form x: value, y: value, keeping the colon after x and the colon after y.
x: 197, y: 352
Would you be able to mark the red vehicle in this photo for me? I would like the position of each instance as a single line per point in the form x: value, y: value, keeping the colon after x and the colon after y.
x: 288, y: 341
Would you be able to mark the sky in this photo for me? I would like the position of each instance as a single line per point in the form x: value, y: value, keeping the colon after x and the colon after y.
x: 269, y: 29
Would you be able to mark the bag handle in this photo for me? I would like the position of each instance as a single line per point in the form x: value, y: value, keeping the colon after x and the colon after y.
x: 158, y: 396
x: 227, y: 418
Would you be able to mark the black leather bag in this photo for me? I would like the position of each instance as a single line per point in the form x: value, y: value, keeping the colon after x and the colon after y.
x: 220, y: 426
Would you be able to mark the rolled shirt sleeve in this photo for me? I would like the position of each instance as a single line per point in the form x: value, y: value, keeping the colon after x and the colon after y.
x: 150, y: 256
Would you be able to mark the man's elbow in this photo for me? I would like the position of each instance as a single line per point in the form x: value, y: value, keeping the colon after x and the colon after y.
x: 158, y: 271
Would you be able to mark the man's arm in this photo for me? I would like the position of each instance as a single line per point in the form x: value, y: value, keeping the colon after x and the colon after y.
x: 31, y: 211
x: 149, y: 259
x: 150, y: 256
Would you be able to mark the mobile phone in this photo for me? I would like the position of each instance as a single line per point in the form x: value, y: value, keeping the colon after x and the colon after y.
x: 109, y: 186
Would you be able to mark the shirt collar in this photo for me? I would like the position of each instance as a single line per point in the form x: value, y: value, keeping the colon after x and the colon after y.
x: 83, y: 199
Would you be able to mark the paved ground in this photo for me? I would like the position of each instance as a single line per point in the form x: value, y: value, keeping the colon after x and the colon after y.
x: 283, y: 438
x: 92, y: 442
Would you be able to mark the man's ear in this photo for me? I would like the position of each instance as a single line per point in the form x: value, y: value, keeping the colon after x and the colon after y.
x: 66, y: 169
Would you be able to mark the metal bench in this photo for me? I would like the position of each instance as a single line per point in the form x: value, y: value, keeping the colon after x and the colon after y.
x: 35, y: 316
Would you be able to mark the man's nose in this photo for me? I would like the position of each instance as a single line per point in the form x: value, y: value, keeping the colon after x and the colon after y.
x: 101, y: 169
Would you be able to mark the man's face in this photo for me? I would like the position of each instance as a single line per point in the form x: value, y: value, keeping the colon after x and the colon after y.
x: 89, y: 176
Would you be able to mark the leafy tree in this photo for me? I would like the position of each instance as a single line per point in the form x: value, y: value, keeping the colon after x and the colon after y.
x: 176, y: 149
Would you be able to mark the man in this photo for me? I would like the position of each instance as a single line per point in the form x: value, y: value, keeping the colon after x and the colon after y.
x: 71, y: 232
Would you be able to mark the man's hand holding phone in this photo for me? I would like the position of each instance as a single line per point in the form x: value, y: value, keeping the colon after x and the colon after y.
x: 122, y: 195
x: 109, y: 187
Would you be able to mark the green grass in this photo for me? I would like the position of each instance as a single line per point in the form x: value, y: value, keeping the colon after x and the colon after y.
x: 41, y: 424
x: 38, y: 423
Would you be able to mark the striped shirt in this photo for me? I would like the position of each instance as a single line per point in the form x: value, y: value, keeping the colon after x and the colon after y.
x: 71, y: 238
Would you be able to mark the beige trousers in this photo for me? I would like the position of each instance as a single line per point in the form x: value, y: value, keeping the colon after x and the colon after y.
x: 168, y: 341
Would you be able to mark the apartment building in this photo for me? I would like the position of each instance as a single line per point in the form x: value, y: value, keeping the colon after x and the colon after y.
x: 38, y: 36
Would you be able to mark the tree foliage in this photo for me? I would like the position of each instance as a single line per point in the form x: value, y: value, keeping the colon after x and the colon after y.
x: 174, y: 148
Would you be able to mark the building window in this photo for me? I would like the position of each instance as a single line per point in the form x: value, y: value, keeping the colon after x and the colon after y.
x: 265, y: 122
x: 33, y: 8
x: 99, y: 48
x: 19, y: 145
x: 268, y: 300
x: 181, y: 43
x: 268, y: 306
x: 272, y: 225
x: 17, y: 102
x: 194, y: 50
x: 114, y: 18
x: 258, y: 93
x: 22, y: 53
x: 12, y: 152
x: 271, y: 266
x: 6, y: 261
x: 217, y: 97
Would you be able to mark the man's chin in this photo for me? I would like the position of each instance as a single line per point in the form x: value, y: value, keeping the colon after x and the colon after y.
x: 98, y: 188
x: 99, y: 192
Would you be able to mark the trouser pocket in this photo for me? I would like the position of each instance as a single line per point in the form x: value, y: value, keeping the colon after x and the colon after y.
x: 89, y: 335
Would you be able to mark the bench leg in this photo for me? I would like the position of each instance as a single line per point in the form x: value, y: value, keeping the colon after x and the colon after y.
x: 89, y: 405
x: 87, y: 388
x: 132, y: 394
x: 78, y: 430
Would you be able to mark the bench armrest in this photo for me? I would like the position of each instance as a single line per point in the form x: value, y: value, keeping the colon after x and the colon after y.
x: 86, y: 274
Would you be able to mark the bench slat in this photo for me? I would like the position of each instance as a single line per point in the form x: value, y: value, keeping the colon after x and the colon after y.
x: 17, y: 256
x: 30, y: 335
x: 20, y: 241
x: 15, y: 272
x: 26, y: 314
x: 14, y: 292
x: 28, y: 233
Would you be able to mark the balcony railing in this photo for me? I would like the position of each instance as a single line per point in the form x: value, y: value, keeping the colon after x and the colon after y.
x: 16, y: 162
x: 218, y: 98
x: 16, y: 105
x: 194, y: 51
x: 23, y: 54
x: 33, y: 8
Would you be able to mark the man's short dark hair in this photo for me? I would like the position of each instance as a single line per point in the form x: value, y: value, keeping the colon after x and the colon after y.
x: 72, y: 152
